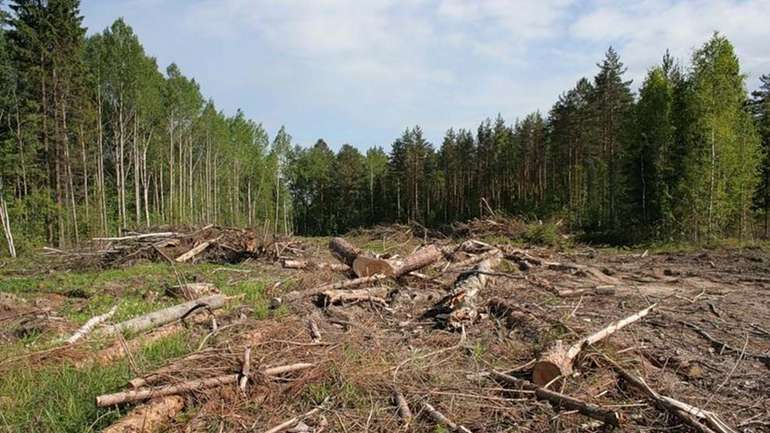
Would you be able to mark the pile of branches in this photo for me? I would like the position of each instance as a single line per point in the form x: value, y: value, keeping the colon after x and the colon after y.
x: 492, y: 226
x: 208, y: 244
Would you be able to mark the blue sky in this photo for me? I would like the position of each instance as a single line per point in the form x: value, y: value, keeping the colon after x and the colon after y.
x: 360, y: 71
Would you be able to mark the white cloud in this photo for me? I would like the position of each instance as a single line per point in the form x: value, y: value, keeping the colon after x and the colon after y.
x: 373, y: 64
x: 646, y: 29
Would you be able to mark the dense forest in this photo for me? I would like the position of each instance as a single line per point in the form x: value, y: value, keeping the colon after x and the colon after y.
x: 95, y: 139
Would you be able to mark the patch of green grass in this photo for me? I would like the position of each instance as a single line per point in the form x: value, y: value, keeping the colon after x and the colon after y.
x: 61, y: 398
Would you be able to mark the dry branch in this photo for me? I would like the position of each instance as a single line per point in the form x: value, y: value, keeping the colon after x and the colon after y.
x: 299, y: 294
x: 440, y: 418
x: 403, y: 408
x: 373, y: 294
x: 149, y: 417
x: 561, y: 400
x: 682, y: 410
x: 91, y: 324
x: 556, y: 363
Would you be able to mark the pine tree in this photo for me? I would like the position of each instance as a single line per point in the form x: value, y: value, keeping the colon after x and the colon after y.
x: 611, y: 109
x: 650, y: 174
x: 760, y: 108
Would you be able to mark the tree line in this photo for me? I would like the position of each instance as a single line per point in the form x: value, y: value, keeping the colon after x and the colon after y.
x: 95, y: 139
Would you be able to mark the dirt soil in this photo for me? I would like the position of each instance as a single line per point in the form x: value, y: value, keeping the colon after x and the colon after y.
x: 707, y: 343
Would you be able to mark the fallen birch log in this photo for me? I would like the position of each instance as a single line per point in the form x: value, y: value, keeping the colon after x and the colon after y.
x: 186, y: 387
x: 196, y: 250
x: 556, y: 363
x: 373, y: 294
x: 475, y: 259
x: 305, y: 264
x: 682, y: 410
x: 561, y: 400
x: 464, y: 301
x: 91, y: 324
x: 164, y: 316
x: 299, y: 294
x: 150, y: 417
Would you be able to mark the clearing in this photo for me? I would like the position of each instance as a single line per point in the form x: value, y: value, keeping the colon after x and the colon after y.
x: 467, y: 332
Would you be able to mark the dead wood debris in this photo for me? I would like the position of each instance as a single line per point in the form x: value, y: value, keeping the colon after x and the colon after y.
x: 352, y: 323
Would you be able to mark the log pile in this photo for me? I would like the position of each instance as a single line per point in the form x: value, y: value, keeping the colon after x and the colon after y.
x: 209, y: 244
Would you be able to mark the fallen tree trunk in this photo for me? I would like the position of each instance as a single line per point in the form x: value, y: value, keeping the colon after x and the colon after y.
x: 196, y: 250
x: 150, y: 417
x: 373, y: 294
x: 344, y: 250
x: 166, y: 315
x: 556, y: 363
x: 562, y: 400
x: 680, y: 409
x: 420, y: 259
x: 475, y: 259
x: 91, y: 324
x: 465, y: 294
x: 299, y: 294
x: 189, y: 386
x: 305, y: 264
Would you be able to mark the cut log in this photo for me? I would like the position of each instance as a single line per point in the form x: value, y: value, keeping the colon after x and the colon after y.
x: 465, y: 294
x: 192, y: 291
x: 364, y: 266
x: 186, y: 387
x: 556, y: 363
x: 420, y: 259
x: 373, y: 294
x: 344, y: 250
x: 305, y: 264
x: 196, y: 250
x: 687, y: 413
x: 561, y: 400
x: 150, y: 417
x: 299, y: 294
x: 166, y: 315
x: 91, y: 324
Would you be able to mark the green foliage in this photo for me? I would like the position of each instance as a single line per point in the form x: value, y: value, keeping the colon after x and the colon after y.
x: 60, y: 398
x: 121, y: 145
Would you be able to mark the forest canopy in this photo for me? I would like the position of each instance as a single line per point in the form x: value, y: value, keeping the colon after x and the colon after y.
x: 96, y: 138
